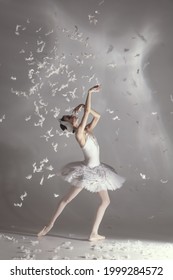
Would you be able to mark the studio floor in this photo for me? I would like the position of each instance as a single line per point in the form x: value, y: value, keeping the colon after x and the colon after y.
x: 72, y: 247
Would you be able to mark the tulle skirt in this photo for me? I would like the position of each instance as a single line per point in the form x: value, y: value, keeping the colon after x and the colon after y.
x: 95, y: 179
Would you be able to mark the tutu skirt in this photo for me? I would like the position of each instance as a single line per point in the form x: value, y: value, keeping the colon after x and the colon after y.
x: 95, y: 179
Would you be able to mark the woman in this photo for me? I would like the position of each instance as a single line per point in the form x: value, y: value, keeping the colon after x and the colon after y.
x: 90, y: 173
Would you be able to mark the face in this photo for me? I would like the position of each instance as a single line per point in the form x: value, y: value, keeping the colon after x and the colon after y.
x: 71, y: 119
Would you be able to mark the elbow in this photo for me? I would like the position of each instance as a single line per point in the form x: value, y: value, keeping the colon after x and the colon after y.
x: 87, y: 110
x: 97, y: 118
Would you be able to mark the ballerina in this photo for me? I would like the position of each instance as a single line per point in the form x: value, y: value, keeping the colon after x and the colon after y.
x: 89, y: 174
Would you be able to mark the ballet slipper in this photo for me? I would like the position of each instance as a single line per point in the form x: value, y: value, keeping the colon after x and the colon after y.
x: 96, y: 237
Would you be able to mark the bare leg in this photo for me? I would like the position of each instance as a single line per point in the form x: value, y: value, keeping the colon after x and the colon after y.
x: 74, y: 191
x: 99, y: 216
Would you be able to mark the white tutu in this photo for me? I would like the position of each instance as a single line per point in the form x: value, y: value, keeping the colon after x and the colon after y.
x: 101, y: 177
x: 90, y: 174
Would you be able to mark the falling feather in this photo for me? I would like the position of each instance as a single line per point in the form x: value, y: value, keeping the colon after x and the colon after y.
x: 56, y: 112
x: 110, y: 111
x: 34, y: 243
x: 27, y: 118
x: 143, y: 176
x: 23, y: 196
x: 92, y: 19
x: 18, y: 204
x: 29, y: 177
x: 19, y: 93
x: 49, y: 32
x: 50, y: 176
x: 50, y: 167
x: 72, y: 93
x: 45, y: 160
x: 30, y: 58
x: 22, y: 51
x: 3, y: 118
x: 91, y: 78
x: 13, y: 78
x: 55, y: 146
x: 63, y: 86
x: 171, y: 96
x: 40, y: 42
x: 38, y: 30
x: 116, y: 118
x: 30, y: 74
x: 37, y: 169
x: 112, y: 65
x: 42, y: 179
x: 41, y: 48
x: 69, y: 109
x: 17, y: 29
x: 164, y: 181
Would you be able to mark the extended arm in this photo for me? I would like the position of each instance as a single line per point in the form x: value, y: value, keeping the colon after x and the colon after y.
x: 93, y: 123
x: 87, y: 108
x: 80, y: 106
x: 87, y: 111
x: 96, y: 116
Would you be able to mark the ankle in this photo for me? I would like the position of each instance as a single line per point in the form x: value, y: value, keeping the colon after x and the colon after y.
x: 93, y: 233
x: 50, y: 224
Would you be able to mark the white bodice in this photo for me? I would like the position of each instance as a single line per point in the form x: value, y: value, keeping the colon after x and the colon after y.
x: 91, y: 174
x: 91, y: 151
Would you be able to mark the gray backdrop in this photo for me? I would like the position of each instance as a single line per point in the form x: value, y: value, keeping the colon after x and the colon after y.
x: 51, y: 52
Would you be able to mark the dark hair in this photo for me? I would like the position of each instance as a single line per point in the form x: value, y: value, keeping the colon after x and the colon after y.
x: 63, y: 127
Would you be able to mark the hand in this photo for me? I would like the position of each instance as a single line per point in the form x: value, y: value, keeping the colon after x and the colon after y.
x: 95, y: 88
x: 77, y: 109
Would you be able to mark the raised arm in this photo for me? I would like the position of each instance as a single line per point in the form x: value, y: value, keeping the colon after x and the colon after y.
x: 93, y: 123
x: 88, y: 110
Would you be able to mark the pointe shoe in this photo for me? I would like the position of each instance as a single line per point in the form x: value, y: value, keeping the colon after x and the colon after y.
x: 96, y: 237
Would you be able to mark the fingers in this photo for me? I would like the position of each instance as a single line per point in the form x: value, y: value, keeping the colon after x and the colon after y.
x: 77, y: 109
x: 95, y: 88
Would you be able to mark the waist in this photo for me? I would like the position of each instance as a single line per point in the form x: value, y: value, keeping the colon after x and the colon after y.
x: 92, y: 162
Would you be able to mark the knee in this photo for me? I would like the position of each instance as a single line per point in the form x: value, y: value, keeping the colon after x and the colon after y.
x: 65, y: 201
x: 105, y: 203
